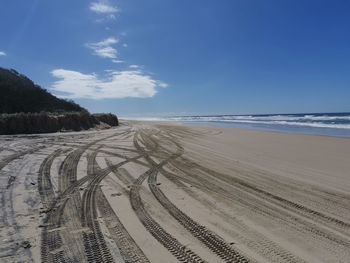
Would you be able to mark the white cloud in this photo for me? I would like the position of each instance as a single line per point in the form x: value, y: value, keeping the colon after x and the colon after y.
x: 117, y: 61
x: 163, y: 85
x: 2, y: 53
x: 109, y: 41
x: 104, y: 48
x: 115, y: 85
x: 103, y: 7
x: 134, y: 66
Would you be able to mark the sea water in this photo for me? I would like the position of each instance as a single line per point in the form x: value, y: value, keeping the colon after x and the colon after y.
x: 328, y: 124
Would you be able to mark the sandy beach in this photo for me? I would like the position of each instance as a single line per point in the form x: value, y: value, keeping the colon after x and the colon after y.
x: 166, y: 192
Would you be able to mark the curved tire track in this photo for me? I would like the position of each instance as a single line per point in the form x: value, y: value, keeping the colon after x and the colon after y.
x: 168, y: 241
x: 211, y: 240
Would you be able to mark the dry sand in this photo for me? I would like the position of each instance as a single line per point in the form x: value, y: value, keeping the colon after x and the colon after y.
x: 163, y: 192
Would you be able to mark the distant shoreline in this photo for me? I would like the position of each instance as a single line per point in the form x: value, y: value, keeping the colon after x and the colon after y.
x: 323, y: 124
x: 337, y: 133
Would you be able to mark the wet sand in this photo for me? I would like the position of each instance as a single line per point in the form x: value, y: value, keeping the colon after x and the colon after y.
x: 164, y: 192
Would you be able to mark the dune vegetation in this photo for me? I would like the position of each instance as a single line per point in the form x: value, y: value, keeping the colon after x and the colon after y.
x: 28, y: 108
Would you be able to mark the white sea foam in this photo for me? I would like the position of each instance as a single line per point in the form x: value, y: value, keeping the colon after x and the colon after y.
x: 313, y: 121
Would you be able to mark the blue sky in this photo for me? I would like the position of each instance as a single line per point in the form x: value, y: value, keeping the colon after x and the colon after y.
x: 181, y: 57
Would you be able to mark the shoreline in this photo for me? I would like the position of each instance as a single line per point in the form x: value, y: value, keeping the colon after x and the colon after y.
x: 264, y: 196
x: 336, y: 124
x: 332, y: 132
x: 322, y: 150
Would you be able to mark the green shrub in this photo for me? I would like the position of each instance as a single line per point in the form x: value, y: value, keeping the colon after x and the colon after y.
x: 43, y: 122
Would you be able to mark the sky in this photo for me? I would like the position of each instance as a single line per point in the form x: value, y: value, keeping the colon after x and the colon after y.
x: 178, y: 57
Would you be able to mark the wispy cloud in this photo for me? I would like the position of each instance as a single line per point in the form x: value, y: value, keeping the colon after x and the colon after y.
x: 2, y: 53
x: 103, y: 7
x: 105, y: 48
x: 134, y: 66
x: 114, y: 85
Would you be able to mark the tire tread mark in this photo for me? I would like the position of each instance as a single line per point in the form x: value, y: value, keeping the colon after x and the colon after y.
x: 168, y: 241
x: 129, y: 249
x: 210, y: 239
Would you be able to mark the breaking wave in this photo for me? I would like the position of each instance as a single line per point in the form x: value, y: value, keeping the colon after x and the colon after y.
x: 326, y: 120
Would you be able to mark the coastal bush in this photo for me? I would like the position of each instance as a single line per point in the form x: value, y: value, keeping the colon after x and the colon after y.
x: 27, y: 108
x: 43, y: 122
x: 20, y: 94
x: 109, y: 118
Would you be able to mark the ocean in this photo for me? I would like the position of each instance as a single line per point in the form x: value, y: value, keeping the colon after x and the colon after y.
x: 328, y: 124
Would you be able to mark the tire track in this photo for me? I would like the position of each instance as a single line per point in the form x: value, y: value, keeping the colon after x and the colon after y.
x: 257, y: 206
x: 45, y: 187
x: 251, y: 239
x: 290, y: 205
x: 211, y: 240
x: 49, y: 241
x: 265, y: 247
x: 10, y: 248
x: 289, y: 209
x: 163, y: 237
x: 214, y: 242
x: 168, y: 241
x: 95, y: 245
x: 15, y: 156
x: 7, y: 191
x: 53, y: 244
x: 129, y: 250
